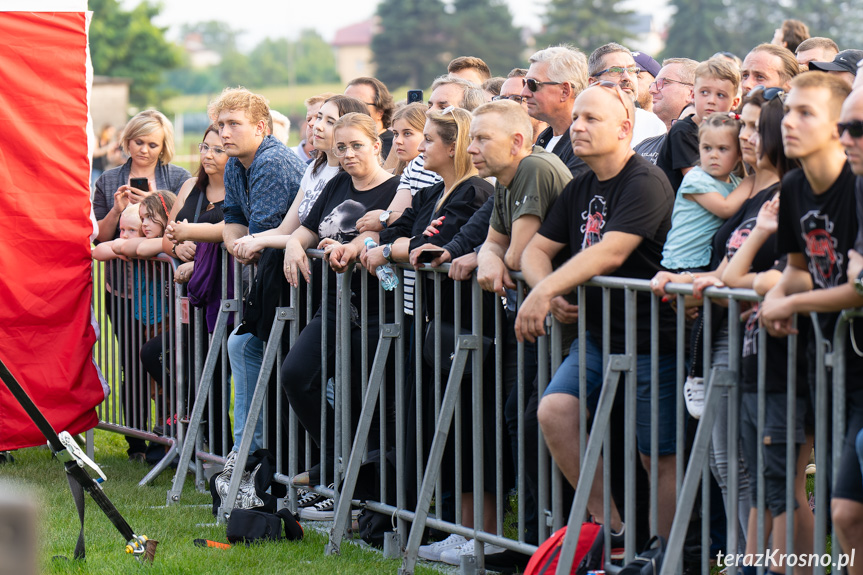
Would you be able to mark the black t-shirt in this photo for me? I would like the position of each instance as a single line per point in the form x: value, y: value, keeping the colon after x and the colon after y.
x: 734, y: 231
x: 334, y: 215
x: 207, y: 214
x: 638, y: 201
x: 563, y: 150
x: 386, y: 142
x: 679, y: 151
x: 823, y: 228
x: 649, y: 148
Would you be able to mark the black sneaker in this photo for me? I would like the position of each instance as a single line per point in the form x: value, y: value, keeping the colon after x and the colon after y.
x: 618, y: 545
x: 507, y: 561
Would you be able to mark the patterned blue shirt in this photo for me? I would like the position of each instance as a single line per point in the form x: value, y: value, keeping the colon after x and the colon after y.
x: 259, y: 197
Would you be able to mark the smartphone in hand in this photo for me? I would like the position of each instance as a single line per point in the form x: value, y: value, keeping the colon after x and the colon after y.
x: 140, y: 184
x: 429, y: 255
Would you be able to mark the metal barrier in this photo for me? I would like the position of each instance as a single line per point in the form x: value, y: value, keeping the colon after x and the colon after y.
x: 419, y: 456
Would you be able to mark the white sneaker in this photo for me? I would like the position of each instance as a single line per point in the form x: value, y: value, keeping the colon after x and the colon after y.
x: 453, y: 556
x: 433, y: 551
x: 693, y: 394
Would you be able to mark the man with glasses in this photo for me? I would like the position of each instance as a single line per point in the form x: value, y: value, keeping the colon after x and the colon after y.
x: 511, y: 90
x: 614, y: 63
x: 614, y: 220
x: 672, y: 100
x: 556, y: 76
x: 449, y: 90
x: 817, y: 227
x: 374, y: 94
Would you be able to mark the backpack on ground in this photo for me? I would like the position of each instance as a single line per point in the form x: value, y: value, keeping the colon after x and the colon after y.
x: 649, y: 561
x: 251, y: 526
x: 588, y: 552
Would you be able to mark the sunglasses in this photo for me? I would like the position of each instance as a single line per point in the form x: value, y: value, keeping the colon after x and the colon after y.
x: 534, y: 86
x: 661, y: 82
x: 616, y: 89
x: 769, y: 93
x: 854, y: 127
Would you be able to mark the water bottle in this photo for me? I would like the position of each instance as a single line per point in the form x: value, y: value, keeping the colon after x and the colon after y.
x: 387, y: 276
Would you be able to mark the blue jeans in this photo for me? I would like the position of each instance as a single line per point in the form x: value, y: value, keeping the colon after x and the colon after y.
x: 246, y: 353
x: 565, y: 380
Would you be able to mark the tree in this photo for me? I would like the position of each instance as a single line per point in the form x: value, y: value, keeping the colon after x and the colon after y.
x: 216, y: 36
x: 127, y: 44
x: 484, y: 28
x: 410, y: 46
x: 585, y: 24
x: 697, y: 30
x: 313, y: 60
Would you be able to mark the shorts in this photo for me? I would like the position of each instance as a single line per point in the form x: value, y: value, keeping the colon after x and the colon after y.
x: 773, y: 441
x: 565, y: 380
x: 849, y: 480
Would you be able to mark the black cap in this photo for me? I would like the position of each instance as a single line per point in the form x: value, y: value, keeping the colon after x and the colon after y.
x: 844, y: 61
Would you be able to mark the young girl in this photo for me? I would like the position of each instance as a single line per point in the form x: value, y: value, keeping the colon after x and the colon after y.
x: 705, y: 197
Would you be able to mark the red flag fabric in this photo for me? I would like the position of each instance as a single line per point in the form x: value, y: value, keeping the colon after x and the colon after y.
x: 45, y: 266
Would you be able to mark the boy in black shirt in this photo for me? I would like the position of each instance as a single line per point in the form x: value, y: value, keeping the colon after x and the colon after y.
x: 614, y: 219
x: 817, y: 227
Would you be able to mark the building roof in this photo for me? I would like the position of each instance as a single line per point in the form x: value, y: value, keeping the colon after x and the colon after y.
x: 359, y: 34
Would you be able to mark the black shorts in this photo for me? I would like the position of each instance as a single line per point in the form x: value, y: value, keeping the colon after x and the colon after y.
x: 849, y: 481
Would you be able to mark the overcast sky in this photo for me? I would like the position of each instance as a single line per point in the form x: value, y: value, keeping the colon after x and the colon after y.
x: 262, y: 18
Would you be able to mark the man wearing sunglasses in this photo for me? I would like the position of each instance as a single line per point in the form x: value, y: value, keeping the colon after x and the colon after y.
x: 556, y: 76
x: 817, y: 227
x: 614, y: 63
x: 511, y: 90
x: 614, y: 219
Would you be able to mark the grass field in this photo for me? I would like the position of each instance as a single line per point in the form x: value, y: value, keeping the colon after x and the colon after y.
x: 174, y: 527
x: 286, y: 99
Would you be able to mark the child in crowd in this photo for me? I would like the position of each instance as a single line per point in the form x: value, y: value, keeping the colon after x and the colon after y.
x: 130, y: 228
x: 709, y: 194
x: 717, y: 82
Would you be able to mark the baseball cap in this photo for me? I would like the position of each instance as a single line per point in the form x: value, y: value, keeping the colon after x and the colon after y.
x: 646, y: 63
x: 844, y: 61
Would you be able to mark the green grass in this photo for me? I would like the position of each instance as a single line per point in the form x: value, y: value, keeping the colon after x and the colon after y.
x: 285, y: 99
x: 174, y: 527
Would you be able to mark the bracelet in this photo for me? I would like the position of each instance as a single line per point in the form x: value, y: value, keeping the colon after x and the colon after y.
x: 174, y: 249
x: 691, y: 275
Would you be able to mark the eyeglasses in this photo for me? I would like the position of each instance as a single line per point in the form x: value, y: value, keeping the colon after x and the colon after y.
x: 769, y: 93
x: 340, y: 150
x: 854, y: 127
x: 517, y: 98
x: 619, y: 71
x: 616, y: 89
x: 204, y: 148
x: 533, y: 85
x: 661, y: 82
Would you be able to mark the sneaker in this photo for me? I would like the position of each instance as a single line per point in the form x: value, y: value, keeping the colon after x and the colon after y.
x: 618, y: 545
x: 308, y: 498
x: 324, y: 511
x: 433, y: 551
x: 453, y: 556
x: 693, y: 394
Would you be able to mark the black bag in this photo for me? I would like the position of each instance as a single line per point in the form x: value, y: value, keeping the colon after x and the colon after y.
x: 257, y: 480
x: 251, y: 526
x: 373, y: 525
x: 447, y: 346
x: 649, y: 561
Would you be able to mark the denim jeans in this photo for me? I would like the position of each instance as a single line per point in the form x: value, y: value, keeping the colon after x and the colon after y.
x: 246, y: 353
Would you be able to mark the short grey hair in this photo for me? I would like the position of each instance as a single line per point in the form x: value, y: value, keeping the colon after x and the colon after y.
x: 565, y: 64
x: 686, y: 70
x: 594, y: 63
x: 472, y: 95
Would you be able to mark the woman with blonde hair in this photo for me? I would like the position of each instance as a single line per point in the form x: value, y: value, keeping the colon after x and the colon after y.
x: 148, y: 139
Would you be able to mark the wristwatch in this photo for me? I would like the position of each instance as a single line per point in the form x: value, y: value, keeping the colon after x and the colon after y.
x: 858, y: 284
x: 384, y: 217
x: 388, y: 253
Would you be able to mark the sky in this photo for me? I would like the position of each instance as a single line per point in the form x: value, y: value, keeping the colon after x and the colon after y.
x: 278, y: 19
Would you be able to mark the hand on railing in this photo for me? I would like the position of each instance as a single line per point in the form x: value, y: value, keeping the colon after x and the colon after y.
x: 437, y: 262
x: 186, y: 251
x: 373, y: 258
x: 184, y: 273
x: 462, y: 267
x: 776, y: 315
x: 296, y: 263
x: 563, y: 311
x: 248, y: 248
x: 494, y: 276
x: 855, y: 265
x: 661, y: 279
x: 530, y: 322
x: 340, y: 256
x: 701, y: 283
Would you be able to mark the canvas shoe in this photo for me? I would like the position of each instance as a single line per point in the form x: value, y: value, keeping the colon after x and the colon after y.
x: 324, y: 511
x: 433, y: 551
x: 307, y: 498
x: 453, y: 556
x: 693, y: 394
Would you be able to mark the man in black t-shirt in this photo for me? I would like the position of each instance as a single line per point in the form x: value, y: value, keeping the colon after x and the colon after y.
x: 614, y: 219
x: 817, y: 227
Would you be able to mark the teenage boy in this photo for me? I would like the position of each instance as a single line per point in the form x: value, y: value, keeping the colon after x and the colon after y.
x: 817, y: 227
x: 716, y: 84
x: 262, y: 177
x: 624, y: 208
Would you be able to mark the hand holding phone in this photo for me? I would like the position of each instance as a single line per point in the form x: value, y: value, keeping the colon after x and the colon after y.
x: 429, y: 255
x: 142, y: 184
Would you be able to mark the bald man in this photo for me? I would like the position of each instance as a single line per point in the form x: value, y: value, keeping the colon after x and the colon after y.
x: 614, y: 220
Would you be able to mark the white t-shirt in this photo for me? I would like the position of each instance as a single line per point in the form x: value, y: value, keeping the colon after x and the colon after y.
x: 312, y: 186
x: 647, y: 125
x: 549, y: 147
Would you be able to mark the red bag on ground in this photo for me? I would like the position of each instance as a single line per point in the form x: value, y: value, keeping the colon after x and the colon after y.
x: 588, y: 552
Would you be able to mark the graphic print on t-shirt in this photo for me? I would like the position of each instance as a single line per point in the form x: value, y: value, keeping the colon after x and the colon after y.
x: 594, y: 221
x: 341, y: 223
x: 825, y: 262
x: 738, y: 236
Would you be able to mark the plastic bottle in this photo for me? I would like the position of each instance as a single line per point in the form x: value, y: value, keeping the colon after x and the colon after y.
x: 386, y: 274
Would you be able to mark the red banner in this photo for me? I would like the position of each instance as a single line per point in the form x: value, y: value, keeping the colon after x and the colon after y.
x: 45, y: 283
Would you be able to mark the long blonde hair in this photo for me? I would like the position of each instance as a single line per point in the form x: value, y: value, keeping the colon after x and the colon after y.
x: 415, y: 115
x: 453, y: 127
